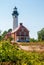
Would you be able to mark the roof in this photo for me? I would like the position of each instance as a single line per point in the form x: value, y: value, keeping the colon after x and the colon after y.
x: 15, y: 29
x: 8, y: 33
x: 18, y: 28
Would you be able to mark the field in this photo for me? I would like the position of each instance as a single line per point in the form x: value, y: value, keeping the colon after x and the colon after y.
x: 32, y: 46
x: 11, y: 54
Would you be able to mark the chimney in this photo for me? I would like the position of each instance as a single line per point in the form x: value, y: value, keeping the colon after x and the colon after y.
x: 20, y: 24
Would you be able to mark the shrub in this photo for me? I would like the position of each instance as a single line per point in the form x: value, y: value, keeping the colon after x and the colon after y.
x: 11, y: 53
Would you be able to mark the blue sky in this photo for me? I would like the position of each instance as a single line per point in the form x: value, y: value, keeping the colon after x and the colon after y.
x: 31, y: 14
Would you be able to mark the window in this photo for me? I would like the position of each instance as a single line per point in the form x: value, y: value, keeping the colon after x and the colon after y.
x: 19, y: 33
x: 22, y: 29
x: 24, y: 33
x: 15, y: 16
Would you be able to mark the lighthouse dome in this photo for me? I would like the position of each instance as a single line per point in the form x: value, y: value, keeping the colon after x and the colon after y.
x: 15, y: 12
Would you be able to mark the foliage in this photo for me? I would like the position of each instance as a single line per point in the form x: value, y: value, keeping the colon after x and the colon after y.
x: 33, y: 40
x: 14, y: 55
x: 41, y: 35
x: 9, y: 30
x: 0, y: 32
x: 4, y: 33
x: 0, y: 38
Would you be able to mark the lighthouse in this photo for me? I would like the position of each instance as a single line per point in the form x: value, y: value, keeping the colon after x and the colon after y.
x: 15, y: 18
x: 19, y: 33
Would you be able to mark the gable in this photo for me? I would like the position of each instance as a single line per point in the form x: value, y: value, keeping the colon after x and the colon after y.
x: 22, y: 31
x: 22, y: 28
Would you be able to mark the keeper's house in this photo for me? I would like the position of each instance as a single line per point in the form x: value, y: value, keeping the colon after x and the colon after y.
x: 20, y: 34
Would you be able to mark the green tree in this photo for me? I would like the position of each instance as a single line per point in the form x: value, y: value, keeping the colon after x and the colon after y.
x: 4, y: 33
x: 9, y: 30
x: 33, y: 40
x: 41, y: 35
x: 0, y: 36
x: 0, y: 32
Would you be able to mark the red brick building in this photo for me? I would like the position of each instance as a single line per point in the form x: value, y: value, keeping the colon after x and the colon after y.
x: 8, y: 35
x: 21, y: 33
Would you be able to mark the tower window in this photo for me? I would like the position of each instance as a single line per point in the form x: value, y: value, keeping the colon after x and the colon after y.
x: 15, y: 16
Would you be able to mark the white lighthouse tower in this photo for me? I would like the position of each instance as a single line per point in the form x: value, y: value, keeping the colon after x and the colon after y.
x: 15, y: 18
